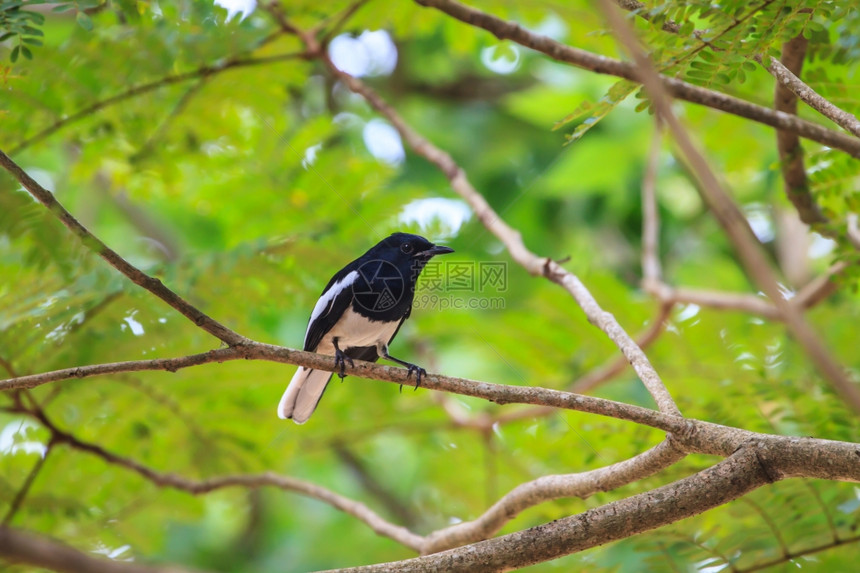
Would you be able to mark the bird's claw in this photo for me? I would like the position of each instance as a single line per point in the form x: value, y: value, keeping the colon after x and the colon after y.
x: 419, y: 372
x: 340, y: 359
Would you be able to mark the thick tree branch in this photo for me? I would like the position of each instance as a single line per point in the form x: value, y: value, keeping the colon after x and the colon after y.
x: 505, y: 30
x: 751, y: 466
x: 137, y: 276
x: 498, y: 393
x: 732, y: 219
x: 744, y: 471
x: 694, y: 435
x: 547, y: 488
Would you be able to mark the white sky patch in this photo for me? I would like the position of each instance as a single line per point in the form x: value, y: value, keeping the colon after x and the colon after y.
x: 383, y: 142
x: 115, y: 554
x: 689, y: 312
x: 435, y: 212
x: 233, y: 7
x: 760, y: 223
x: 134, y: 325
x: 42, y: 177
x: 501, y: 59
x: 311, y: 155
x: 346, y: 119
x: 553, y: 27
x: 373, y: 53
x: 12, y: 438
x: 820, y: 246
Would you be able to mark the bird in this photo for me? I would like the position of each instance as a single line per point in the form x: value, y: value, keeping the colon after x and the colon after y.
x: 358, y: 314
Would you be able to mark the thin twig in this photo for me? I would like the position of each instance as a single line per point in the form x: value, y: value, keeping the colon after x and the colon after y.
x: 25, y: 487
x: 395, y: 506
x: 156, y: 136
x: 201, y: 72
x: 785, y: 77
x: 340, y: 21
x: 266, y: 479
x: 651, y: 272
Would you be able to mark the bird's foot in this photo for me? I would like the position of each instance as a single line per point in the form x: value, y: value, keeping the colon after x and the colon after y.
x: 419, y: 373
x: 340, y: 359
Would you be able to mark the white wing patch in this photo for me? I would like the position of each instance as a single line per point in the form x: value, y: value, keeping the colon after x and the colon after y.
x: 323, y: 305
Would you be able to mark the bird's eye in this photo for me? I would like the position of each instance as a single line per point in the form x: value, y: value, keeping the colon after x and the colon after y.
x: 406, y: 248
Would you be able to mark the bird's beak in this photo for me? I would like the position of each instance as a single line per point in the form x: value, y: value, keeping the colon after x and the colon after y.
x: 435, y: 250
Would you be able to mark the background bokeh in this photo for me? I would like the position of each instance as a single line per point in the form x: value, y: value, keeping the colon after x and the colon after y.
x: 246, y: 187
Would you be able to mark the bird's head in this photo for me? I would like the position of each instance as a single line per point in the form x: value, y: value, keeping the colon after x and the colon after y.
x: 408, y: 248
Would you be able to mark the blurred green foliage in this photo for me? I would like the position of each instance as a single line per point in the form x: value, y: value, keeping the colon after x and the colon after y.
x: 245, y: 189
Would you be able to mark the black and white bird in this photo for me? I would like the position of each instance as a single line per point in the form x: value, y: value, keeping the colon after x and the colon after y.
x: 358, y: 314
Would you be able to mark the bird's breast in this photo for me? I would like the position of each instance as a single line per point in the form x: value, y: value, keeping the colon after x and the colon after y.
x: 354, y: 329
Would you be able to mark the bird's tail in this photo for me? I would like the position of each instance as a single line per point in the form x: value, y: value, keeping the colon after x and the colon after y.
x: 303, y: 394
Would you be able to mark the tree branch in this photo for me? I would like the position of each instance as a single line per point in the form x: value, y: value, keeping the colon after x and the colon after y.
x: 252, y: 481
x: 137, y: 276
x: 551, y: 487
x: 695, y: 435
x: 505, y: 30
x: 744, y: 471
x: 25, y: 487
x: 732, y: 219
x: 369, y: 482
x: 786, y: 76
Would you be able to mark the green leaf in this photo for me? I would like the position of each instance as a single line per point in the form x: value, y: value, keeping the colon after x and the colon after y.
x: 84, y: 21
x: 33, y: 31
x: 589, y: 114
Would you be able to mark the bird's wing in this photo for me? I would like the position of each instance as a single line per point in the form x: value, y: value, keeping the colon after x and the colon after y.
x: 333, y: 302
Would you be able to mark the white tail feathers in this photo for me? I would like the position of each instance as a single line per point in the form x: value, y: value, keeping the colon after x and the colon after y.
x: 303, y: 394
